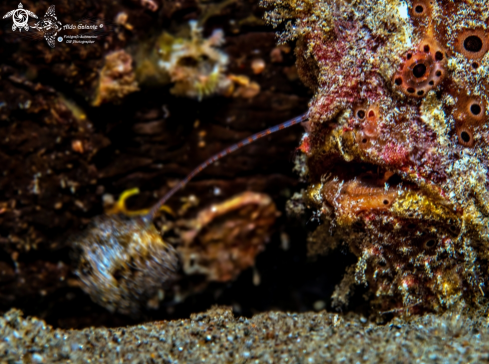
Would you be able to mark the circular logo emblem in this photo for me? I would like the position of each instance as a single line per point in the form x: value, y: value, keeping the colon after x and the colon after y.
x: 20, y: 18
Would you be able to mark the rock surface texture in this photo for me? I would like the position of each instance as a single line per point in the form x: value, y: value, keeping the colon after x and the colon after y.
x: 398, y: 143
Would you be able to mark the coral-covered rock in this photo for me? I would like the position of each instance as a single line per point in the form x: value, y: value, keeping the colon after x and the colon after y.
x: 397, y: 145
x: 421, y: 71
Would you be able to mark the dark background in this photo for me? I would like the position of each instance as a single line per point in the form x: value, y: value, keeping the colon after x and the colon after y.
x: 49, y: 192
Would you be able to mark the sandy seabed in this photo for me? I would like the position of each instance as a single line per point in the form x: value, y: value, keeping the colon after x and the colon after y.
x: 217, y: 336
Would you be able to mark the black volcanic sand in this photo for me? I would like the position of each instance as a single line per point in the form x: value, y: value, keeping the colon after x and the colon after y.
x: 217, y: 336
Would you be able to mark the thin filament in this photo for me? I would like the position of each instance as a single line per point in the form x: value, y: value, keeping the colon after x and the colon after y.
x: 220, y: 155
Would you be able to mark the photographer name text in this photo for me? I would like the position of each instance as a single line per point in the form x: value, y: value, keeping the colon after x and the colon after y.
x: 80, y: 26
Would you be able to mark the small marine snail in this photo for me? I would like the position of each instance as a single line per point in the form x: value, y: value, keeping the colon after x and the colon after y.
x: 123, y: 262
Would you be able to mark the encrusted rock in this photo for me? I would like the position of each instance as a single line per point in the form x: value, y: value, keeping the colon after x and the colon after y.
x: 397, y: 145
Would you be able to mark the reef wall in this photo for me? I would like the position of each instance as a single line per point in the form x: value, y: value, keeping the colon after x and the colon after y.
x: 396, y: 154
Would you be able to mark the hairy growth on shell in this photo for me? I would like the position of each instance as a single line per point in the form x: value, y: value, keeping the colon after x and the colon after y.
x: 124, y: 264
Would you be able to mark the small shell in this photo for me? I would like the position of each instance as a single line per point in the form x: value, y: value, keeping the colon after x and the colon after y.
x: 124, y: 264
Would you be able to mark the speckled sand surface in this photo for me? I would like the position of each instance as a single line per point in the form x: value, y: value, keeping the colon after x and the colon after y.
x: 216, y: 336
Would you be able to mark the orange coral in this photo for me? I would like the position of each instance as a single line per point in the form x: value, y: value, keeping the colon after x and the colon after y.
x: 469, y: 114
x: 470, y: 109
x: 465, y: 135
x: 369, y: 118
x: 371, y: 125
x: 356, y: 196
x: 422, y: 69
x: 421, y: 9
x: 472, y: 43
